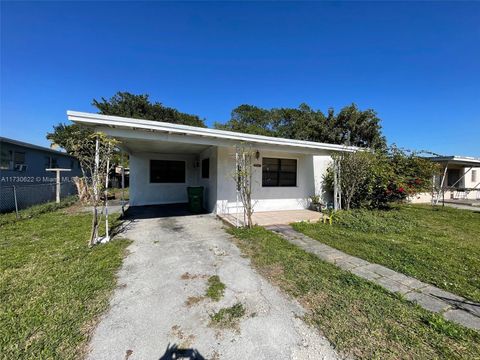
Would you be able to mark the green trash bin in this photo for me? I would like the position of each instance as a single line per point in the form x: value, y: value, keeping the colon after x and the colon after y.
x: 195, y: 199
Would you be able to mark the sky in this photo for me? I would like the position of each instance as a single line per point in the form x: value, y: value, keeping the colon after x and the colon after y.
x: 416, y: 64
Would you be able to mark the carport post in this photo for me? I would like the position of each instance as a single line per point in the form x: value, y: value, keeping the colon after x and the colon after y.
x: 123, y: 189
x: 441, y: 185
x: 337, y: 187
x: 107, y: 235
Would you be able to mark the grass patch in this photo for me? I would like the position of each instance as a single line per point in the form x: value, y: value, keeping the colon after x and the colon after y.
x: 440, y: 246
x: 215, y: 288
x: 360, y: 318
x: 52, y: 286
x: 228, y: 317
x: 36, y: 210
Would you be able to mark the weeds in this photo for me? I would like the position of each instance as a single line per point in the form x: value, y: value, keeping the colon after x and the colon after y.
x: 228, y: 317
x: 215, y: 288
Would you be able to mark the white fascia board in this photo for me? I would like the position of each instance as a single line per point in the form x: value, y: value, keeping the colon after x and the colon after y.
x: 461, y: 160
x: 149, y: 125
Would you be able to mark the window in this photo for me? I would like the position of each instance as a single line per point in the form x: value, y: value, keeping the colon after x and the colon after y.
x: 167, y: 171
x: 453, y: 177
x: 205, y: 168
x: 279, y: 172
x: 6, y: 159
x: 474, y: 175
x: 19, y: 158
x: 51, y: 162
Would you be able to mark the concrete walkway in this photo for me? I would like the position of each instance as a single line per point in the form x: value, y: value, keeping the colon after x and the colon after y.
x: 159, y: 310
x: 452, y: 307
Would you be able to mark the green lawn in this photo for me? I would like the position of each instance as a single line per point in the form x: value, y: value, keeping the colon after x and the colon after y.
x: 438, y: 245
x: 52, y: 286
x: 358, y: 317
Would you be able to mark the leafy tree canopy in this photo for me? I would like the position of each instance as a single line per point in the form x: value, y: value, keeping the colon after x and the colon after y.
x: 139, y: 106
x: 374, y: 179
x: 127, y: 105
x: 350, y: 126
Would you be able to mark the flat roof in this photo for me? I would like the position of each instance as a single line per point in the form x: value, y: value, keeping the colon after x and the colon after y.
x: 32, y: 146
x: 159, y: 126
x: 468, y: 161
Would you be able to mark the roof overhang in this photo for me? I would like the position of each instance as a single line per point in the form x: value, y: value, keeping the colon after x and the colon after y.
x: 32, y: 146
x: 148, y: 130
x: 463, y: 161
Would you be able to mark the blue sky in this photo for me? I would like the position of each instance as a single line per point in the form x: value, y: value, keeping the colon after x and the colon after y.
x: 416, y: 64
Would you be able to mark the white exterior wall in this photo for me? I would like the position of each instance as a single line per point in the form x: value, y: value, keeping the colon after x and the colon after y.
x: 469, y: 178
x: 220, y: 193
x: 470, y: 181
x: 210, y: 184
x: 320, y: 166
x: 142, y: 192
x: 309, y: 181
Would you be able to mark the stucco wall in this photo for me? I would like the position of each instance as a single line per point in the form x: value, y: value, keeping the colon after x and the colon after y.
x: 471, y: 180
x: 220, y: 194
x: 270, y: 198
x: 210, y: 184
x: 142, y: 192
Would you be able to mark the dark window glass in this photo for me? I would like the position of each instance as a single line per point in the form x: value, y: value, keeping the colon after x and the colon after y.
x: 47, y: 162
x: 279, y: 172
x: 205, y: 168
x: 19, y: 158
x: 54, y: 163
x: 167, y: 171
x: 453, y: 177
x: 6, y: 159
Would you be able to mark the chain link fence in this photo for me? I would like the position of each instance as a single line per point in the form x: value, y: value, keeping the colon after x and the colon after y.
x: 18, y: 197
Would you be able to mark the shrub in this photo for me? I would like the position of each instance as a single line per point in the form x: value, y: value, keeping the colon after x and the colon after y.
x: 377, y: 179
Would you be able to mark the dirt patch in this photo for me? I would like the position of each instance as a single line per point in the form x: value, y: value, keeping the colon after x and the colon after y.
x: 128, y: 353
x: 273, y: 271
x: 313, y: 299
x: 188, y: 276
x: 185, y: 340
x: 74, y: 209
x: 193, y: 300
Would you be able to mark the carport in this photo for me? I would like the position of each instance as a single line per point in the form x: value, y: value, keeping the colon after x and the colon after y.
x: 459, y: 182
x: 165, y: 159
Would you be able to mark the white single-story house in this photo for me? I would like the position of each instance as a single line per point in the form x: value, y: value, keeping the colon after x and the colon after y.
x: 458, y: 181
x: 167, y: 158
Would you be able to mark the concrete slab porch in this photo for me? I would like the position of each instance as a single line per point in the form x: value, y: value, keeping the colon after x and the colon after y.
x: 267, y: 218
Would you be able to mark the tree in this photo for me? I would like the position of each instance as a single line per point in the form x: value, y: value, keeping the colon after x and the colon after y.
x: 374, y: 179
x: 63, y: 134
x: 127, y: 105
x: 354, y: 170
x: 350, y: 126
x: 94, y: 153
x: 242, y: 176
x: 139, y: 107
x: 249, y: 119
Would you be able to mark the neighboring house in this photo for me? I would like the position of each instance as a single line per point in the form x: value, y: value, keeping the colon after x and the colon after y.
x: 458, y: 181
x: 165, y: 159
x: 24, y: 165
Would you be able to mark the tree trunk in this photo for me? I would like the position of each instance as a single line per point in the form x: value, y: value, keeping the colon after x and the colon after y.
x: 94, y: 234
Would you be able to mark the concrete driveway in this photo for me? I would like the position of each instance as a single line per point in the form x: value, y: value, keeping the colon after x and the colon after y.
x: 152, y: 310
